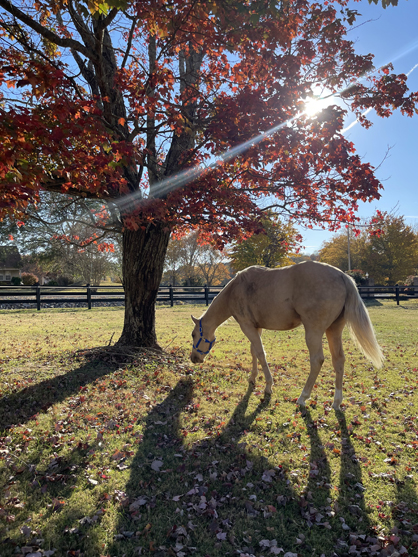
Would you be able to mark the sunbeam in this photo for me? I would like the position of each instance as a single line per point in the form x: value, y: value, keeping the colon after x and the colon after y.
x: 183, y: 178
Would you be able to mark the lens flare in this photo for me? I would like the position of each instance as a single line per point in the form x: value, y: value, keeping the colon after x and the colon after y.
x: 187, y: 176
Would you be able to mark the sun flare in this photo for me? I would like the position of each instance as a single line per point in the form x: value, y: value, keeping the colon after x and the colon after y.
x: 312, y: 107
x: 315, y: 104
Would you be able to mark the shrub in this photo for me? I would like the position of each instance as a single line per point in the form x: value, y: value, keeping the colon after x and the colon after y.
x: 29, y: 279
x: 63, y: 281
x: 52, y: 283
x: 16, y: 281
x: 358, y: 275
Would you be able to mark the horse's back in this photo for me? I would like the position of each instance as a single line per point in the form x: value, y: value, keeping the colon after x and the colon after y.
x: 281, y: 299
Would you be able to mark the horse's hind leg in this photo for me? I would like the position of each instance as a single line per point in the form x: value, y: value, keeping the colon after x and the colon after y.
x: 257, y: 351
x: 334, y: 334
x: 254, y: 372
x: 316, y: 355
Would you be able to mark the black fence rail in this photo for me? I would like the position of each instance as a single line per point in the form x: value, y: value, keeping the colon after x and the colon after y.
x: 90, y: 295
x: 388, y: 292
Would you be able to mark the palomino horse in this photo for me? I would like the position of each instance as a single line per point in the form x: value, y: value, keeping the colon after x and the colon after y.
x: 320, y: 297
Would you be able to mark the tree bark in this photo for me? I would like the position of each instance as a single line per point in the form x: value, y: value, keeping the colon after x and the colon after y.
x: 143, y: 262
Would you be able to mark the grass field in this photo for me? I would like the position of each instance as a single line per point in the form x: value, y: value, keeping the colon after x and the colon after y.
x: 150, y: 455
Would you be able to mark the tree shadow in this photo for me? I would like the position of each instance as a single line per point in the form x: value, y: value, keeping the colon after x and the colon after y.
x: 22, y: 406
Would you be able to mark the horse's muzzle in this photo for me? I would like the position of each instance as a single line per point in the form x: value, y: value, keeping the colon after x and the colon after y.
x: 196, y: 358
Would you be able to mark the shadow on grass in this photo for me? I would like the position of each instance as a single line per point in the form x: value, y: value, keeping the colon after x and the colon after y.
x: 18, y: 408
x: 219, y: 497
x: 215, y: 497
x: 372, y: 303
x: 355, y: 520
x: 404, y: 513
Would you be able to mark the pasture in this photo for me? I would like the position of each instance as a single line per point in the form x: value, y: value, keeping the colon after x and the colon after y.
x: 111, y: 453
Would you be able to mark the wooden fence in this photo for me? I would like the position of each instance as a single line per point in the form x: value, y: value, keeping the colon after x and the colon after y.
x: 90, y: 295
x: 388, y: 292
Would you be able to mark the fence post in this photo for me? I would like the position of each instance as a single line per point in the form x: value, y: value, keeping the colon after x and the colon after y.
x: 170, y: 288
x: 207, y: 294
x: 397, y: 294
x: 88, y: 296
x: 38, y: 297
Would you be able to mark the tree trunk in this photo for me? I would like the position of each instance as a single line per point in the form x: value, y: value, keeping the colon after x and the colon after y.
x: 143, y: 262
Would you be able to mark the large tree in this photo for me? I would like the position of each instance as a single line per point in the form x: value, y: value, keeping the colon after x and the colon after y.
x: 115, y: 100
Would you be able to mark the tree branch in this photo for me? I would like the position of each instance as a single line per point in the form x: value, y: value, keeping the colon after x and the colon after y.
x: 44, y: 32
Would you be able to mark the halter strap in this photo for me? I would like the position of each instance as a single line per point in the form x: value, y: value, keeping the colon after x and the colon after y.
x: 210, y: 342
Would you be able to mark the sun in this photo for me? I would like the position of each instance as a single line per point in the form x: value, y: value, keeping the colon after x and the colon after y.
x: 314, y: 105
x: 321, y: 99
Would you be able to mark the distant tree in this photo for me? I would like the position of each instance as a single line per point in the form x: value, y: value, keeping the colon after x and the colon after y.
x: 335, y: 251
x: 392, y: 255
x: 211, y: 265
x: 300, y: 257
x: 60, y: 239
x: 10, y: 256
x: 270, y: 247
x: 173, y: 262
x: 192, y: 263
x: 387, y: 250
x: 189, y: 253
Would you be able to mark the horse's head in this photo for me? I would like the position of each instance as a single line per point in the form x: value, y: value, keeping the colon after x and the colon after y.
x: 201, y: 344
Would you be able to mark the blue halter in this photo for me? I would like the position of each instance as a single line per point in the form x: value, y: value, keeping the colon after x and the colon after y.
x: 210, y: 342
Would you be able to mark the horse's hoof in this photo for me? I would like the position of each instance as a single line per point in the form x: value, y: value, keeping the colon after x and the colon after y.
x: 336, y: 407
x: 268, y: 391
x: 301, y: 402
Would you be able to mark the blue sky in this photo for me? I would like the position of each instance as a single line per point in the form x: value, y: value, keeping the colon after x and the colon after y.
x: 392, y: 36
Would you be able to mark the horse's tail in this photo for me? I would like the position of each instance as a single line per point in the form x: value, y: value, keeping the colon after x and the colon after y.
x: 359, y: 324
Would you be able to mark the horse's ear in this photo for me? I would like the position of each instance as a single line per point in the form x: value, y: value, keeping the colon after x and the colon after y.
x: 195, y: 321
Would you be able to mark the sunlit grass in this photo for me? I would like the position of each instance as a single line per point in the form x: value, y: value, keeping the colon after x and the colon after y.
x: 81, y: 438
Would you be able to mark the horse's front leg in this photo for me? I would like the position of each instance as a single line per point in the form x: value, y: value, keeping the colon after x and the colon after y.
x: 258, y: 354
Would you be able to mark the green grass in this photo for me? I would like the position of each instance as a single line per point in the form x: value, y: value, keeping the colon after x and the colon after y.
x: 159, y: 457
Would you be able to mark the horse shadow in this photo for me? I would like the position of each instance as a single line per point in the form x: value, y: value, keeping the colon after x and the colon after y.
x: 181, y: 498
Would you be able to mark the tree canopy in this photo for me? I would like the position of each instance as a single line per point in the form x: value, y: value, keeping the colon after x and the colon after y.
x: 128, y: 102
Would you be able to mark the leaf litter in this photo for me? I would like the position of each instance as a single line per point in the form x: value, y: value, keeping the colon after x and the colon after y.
x: 158, y: 454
